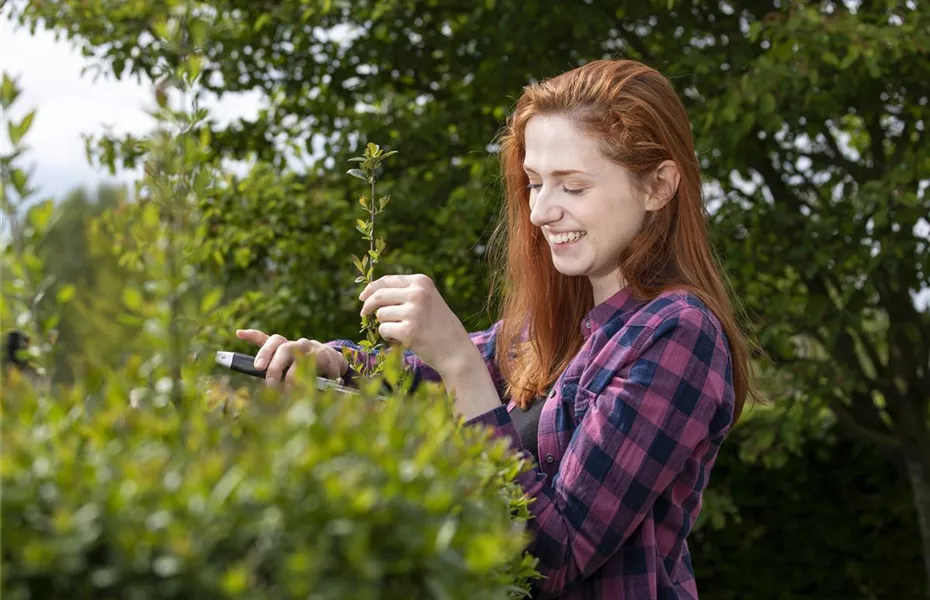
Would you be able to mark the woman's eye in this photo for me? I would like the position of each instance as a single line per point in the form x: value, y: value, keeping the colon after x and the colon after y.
x: 536, y: 186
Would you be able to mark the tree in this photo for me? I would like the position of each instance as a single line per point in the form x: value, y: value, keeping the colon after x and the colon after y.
x: 75, y: 258
x: 809, y: 117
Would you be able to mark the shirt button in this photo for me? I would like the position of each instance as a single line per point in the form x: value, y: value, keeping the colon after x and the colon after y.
x: 587, y: 323
x: 550, y: 459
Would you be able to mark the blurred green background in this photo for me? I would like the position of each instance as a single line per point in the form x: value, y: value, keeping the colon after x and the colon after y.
x: 809, y: 118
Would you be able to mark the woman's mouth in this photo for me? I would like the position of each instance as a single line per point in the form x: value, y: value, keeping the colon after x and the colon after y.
x: 565, y: 238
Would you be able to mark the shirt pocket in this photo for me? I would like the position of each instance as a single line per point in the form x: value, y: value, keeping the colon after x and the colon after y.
x: 584, y: 399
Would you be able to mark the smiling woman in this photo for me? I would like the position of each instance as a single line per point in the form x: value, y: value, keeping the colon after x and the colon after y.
x: 616, y: 363
x: 569, y: 204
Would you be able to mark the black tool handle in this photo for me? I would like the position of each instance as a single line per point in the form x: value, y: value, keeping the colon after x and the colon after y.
x: 242, y: 363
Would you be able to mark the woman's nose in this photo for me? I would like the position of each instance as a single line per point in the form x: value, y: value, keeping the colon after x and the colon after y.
x: 542, y: 209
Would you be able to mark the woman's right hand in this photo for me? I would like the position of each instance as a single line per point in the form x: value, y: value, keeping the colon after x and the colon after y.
x: 277, y: 353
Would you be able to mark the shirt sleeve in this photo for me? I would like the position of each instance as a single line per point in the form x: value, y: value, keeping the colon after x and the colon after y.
x: 653, y: 421
x: 485, y: 340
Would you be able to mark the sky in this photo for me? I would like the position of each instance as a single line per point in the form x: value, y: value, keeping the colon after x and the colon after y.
x: 70, y: 103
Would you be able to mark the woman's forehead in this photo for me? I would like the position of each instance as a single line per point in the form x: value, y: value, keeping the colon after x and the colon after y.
x: 554, y: 144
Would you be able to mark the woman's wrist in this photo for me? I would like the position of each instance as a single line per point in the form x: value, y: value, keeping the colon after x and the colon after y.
x: 467, y: 379
x: 461, y: 363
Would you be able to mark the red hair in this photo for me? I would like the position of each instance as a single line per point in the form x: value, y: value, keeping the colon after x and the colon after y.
x: 639, y: 121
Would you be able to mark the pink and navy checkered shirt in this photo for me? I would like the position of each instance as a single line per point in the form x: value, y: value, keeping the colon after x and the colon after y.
x: 627, y: 438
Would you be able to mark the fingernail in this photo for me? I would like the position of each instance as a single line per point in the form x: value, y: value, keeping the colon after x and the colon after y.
x: 259, y: 362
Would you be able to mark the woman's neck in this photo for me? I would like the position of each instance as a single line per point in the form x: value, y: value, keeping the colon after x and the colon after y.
x: 606, y: 286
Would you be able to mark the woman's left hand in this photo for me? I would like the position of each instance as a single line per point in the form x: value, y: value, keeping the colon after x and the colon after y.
x: 412, y: 312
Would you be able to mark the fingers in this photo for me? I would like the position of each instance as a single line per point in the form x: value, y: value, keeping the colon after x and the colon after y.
x: 388, y: 281
x: 252, y: 335
x: 277, y: 354
x: 384, y: 297
x: 284, y: 356
x: 268, y: 350
x: 394, y: 312
x: 290, y: 352
x: 329, y: 362
x: 397, y: 332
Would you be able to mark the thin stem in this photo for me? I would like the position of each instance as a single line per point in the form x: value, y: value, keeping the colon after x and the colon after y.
x: 371, y: 229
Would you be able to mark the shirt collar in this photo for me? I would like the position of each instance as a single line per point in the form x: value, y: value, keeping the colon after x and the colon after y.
x: 618, y: 304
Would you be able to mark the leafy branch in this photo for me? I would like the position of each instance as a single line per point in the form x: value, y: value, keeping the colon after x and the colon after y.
x: 25, y: 279
x: 368, y: 170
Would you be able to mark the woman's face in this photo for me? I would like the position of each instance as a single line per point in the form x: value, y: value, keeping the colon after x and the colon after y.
x: 586, y: 205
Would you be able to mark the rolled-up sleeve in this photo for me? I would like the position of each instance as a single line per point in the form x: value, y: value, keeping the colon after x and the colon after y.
x: 648, y: 427
x: 485, y: 340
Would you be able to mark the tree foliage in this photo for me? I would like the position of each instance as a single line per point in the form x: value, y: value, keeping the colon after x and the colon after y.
x: 165, y: 482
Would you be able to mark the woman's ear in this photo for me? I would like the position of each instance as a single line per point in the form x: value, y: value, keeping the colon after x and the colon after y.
x: 665, y: 180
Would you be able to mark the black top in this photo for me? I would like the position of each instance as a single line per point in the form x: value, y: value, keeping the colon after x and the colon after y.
x: 527, y: 424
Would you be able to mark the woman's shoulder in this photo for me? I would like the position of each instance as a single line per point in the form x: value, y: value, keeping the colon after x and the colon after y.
x: 676, y: 308
x: 676, y: 316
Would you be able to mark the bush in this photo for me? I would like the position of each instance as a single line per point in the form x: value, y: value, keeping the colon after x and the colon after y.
x: 321, y: 495
x: 152, y: 479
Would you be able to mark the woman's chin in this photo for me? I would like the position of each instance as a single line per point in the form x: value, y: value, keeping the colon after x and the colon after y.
x: 570, y: 268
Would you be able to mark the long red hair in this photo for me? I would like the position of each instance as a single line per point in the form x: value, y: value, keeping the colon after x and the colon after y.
x: 637, y: 117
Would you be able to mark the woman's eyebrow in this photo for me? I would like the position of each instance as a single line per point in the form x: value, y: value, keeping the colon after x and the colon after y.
x: 560, y: 173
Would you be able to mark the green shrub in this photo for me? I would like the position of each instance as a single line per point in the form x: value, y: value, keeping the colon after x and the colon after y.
x: 153, y: 478
x: 316, y: 495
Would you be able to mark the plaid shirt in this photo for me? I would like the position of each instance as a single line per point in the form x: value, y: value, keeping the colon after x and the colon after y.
x: 627, y: 438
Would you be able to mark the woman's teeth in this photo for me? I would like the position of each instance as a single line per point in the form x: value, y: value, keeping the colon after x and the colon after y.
x: 565, y: 238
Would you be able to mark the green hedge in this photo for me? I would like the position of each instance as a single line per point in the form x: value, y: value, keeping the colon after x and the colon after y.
x: 315, y: 495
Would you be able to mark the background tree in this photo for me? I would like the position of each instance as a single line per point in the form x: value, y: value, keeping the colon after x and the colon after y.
x: 809, y: 118
x: 74, y: 257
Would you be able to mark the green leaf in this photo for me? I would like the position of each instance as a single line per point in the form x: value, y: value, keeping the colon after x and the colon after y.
x: 211, y: 300
x: 358, y: 263
x: 357, y: 159
x: 65, y: 294
x: 132, y: 297
x: 16, y: 131
x: 20, y: 183
x: 9, y: 91
x: 261, y: 21
x: 150, y: 216
x: 40, y: 216
x: 358, y: 174
x: 194, y: 66
x: 162, y: 29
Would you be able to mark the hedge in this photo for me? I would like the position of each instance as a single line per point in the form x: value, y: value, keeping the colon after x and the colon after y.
x: 318, y: 495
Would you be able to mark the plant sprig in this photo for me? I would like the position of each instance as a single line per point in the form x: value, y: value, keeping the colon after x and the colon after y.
x: 369, y: 168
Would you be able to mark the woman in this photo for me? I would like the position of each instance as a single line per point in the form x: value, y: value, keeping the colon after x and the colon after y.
x: 617, y: 356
